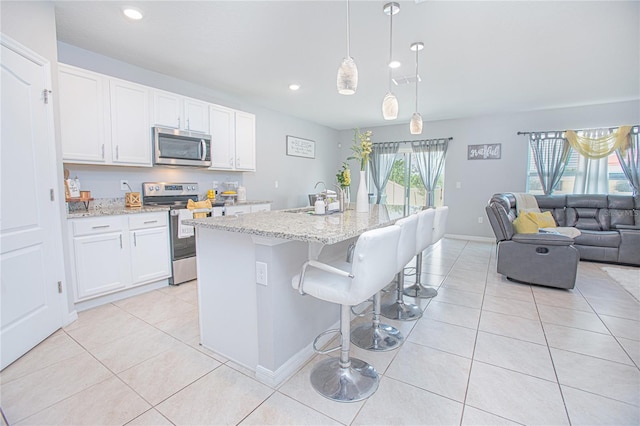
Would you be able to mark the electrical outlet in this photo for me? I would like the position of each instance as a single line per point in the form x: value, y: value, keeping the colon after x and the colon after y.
x: 261, y: 273
x: 124, y: 185
x: 480, y: 219
x: 276, y: 184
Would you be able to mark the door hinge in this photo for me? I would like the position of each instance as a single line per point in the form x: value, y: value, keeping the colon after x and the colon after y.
x: 52, y: 194
x: 45, y: 95
x: 59, y: 286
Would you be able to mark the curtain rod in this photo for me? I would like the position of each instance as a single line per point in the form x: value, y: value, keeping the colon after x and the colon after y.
x: 419, y: 140
x: 576, y: 130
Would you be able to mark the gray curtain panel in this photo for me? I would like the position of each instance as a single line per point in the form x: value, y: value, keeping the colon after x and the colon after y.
x: 381, y: 160
x: 630, y: 160
x: 430, y: 155
x: 551, y: 155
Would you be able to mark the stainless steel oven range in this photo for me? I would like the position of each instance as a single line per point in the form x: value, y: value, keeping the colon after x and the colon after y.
x: 183, y: 244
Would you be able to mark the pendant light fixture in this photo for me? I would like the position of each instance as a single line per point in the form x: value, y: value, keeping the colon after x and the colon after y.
x: 348, y: 71
x: 390, y: 102
x: 415, y: 126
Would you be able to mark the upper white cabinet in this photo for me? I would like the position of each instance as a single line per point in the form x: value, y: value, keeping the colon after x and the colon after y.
x: 245, y: 141
x: 103, y: 120
x: 233, y: 139
x: 222, y: 137
x: 179, y: 112
x: 82, y: 115
x: 130, y: 128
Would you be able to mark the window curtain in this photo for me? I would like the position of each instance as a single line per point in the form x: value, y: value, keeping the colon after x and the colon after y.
x: 629, y: 157
x: 592, y: 174
x: 381, y: 160
x: 551, y: 155
x: 430, y: 156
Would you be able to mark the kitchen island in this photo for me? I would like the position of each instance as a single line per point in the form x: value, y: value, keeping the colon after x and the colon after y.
x: 259, y: 320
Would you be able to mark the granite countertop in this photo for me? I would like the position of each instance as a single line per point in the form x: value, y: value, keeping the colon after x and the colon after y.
x: 115, y: 206
x: 300, y: 225
x: 111, y: 210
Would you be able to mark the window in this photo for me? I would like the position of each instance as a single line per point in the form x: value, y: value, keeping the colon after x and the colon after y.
x: 617, y: 182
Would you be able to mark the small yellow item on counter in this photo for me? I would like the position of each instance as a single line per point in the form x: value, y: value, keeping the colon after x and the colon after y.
x: 194, y: 205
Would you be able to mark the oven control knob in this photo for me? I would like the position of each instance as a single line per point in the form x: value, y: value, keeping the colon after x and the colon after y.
x: 188, y: 188
x: 157, y: 188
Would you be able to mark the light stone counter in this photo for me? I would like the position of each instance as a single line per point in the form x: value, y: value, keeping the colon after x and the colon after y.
x: 111, y: 209
x: 302, y: 225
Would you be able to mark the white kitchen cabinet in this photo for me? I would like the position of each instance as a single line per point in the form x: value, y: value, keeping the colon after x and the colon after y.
x: 115, y: 253
x: 222, y: 121
x: 103, y: 120
x: 180, y: 112
x: 260, y: 208
x: 83, y: 117
x: 150, y: 258
x: 235, y: 210
x: 233, y: 139
x: 101, y: 263
x: 245, y: 141
x: 130, y: 128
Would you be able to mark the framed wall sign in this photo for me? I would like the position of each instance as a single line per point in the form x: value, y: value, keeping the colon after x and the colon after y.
x: 299, y: 147
x: 491, y: 151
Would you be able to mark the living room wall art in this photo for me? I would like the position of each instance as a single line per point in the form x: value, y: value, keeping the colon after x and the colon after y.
x: 491, y: 151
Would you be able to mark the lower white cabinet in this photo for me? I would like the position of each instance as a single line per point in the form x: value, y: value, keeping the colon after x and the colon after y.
x: 113, y: 253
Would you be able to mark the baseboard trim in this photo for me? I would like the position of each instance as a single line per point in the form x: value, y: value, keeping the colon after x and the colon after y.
x: 286, y: 370
x: 119, y: 295
x: 470, y: 238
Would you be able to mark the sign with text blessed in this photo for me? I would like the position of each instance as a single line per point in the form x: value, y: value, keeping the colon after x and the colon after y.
x: 490, y: 151
x: 299, y: 147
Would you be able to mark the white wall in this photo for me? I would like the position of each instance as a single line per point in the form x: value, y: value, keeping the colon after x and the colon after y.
x: 296, y: 176
x: 479, y: 179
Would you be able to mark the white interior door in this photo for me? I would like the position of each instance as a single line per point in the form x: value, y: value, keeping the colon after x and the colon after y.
x: 30, y: 237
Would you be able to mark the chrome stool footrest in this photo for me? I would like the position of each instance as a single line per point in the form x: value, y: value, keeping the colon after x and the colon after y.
x: 324, y: 333
x: 352, y: 383
x: 401, y: 311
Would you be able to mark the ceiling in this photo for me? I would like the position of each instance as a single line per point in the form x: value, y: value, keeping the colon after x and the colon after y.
x: 480, y: 57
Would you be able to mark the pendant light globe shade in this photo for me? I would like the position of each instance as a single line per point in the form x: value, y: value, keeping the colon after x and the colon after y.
x: 415, y: 126
x: 347, y: 77
x: 390, y: 106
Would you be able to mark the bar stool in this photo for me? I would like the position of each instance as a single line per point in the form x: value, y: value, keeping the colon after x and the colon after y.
x: 346, y: 379
x: 440, y: 224
x: 406, y: 250
x: 423, y: 240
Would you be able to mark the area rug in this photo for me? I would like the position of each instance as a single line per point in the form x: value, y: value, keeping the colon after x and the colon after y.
x: 629, y: 278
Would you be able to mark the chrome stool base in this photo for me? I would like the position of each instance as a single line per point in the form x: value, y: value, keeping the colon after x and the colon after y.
x: 420, y: 291
x: 381, y: 338
x: 344, y: 384
x: 401, y: 311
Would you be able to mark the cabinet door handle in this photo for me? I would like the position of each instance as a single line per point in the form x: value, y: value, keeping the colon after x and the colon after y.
x: 188, y: 125
x: 100, y: 226
x: 231, y: 161
x: 135, y: 241
x: 120, y: 240
x: 146, y: 222
x: 117, y: 153
x: 237, y: 161
x: 103, y: 151
x: 178, y: 122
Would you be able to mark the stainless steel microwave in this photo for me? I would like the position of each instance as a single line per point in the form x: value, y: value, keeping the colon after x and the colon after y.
x: 181, y: 148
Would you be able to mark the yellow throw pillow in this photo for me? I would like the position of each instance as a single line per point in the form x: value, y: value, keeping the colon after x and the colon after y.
x: 543, y: 220
x: 524, y: 224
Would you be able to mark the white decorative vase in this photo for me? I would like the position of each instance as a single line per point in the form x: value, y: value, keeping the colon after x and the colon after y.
x: 362, y: 196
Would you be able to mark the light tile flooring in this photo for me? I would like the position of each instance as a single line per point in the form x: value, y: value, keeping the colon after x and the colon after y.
x: 486, y: 352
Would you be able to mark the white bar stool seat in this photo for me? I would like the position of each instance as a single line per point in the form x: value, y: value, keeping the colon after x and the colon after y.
x: 398, y: 309
x: 346, y: 379
x: 424, y: 239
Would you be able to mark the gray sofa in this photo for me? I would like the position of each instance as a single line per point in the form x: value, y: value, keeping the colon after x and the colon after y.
x: 609, y: 224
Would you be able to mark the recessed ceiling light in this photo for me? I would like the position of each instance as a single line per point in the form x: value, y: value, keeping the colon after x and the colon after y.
x: 394, y: 64
x: 294, y: 86
x: 132, y: 13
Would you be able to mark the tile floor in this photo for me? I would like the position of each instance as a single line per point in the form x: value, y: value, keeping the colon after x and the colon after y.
x: 486, y: 352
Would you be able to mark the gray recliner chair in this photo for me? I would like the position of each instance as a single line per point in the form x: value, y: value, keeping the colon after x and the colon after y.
x: 545, y: 258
